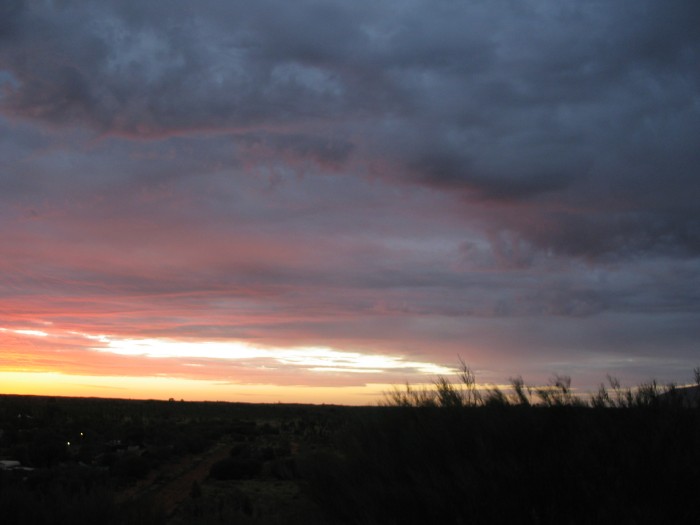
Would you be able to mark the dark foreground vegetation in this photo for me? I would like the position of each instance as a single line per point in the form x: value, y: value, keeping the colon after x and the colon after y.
x: 450, y: 454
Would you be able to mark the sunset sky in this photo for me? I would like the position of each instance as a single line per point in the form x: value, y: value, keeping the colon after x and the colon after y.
x: 309, y: 201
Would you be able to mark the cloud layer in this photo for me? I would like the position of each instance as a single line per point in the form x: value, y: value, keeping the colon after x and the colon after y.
x: 515, y: 182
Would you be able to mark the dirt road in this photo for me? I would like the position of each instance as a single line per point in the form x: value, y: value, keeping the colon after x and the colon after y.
x: 171, y: 484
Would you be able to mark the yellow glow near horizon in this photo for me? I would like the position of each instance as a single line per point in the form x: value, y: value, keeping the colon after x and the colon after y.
x: 315, y: 358
x: 63, y: 365
x: 126, y: 387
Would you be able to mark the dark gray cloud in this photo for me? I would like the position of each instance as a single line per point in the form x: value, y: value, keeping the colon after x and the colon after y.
x: 591, y: 105
x: 10, y: 12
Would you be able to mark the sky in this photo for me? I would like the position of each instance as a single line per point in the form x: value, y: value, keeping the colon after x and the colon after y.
x: 311, y: 201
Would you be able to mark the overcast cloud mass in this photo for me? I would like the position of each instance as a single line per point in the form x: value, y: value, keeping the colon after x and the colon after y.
x: 515, y: 182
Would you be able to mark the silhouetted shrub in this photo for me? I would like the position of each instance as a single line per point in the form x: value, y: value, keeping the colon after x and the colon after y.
x: 242, y: 450
x: 47, y: 448
x: 131, y: 466
x: 196, y: 444
x: 521, y: 464
x: 235, y: 468
x: 283, y: 468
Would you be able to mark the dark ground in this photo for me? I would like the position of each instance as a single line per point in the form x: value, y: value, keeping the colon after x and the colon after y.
x: 153, y: 462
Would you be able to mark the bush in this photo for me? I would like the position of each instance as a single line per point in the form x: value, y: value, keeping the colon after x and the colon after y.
x: 131, y: 466
x: 235, y: 468
x: 530, y: 465
x: 455, y: 455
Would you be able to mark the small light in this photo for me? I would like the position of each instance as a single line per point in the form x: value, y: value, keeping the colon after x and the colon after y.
x: 68, y: 443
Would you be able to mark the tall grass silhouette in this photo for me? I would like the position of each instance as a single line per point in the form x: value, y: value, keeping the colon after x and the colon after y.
x: 454, y: 453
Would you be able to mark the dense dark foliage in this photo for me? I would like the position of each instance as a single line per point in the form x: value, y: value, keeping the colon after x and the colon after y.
x: 458, y: 454
x: 513, y: 464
